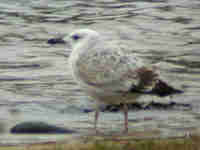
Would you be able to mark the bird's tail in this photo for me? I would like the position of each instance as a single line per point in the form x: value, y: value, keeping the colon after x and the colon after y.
x: 163, y: 89
x: 152, y: 85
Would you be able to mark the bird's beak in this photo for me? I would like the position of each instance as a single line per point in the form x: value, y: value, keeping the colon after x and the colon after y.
x: 56, y: 41
x: 61, y: 40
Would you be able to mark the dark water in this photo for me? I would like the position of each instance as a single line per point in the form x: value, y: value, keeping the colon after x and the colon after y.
x: 35, y: 81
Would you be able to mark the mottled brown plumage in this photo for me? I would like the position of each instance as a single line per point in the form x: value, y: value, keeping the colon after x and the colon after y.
x: 147, y: 77
x: 110, y: 74
x: 163, y: 89
x: 151, y: 84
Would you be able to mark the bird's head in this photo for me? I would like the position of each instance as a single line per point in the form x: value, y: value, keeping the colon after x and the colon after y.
x: 81, y: 35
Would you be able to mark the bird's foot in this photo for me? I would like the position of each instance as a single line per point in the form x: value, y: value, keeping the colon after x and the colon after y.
x: 125, y: 131
x: 97, y: 132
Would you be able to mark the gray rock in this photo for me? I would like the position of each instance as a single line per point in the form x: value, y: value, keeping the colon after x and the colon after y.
x: 39, y: 128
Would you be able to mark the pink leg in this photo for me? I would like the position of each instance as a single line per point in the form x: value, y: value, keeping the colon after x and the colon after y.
x: 96, y: 120
x: 125, y: 118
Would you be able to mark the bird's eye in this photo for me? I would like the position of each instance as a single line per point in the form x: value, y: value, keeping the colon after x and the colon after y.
x: 75, y: 37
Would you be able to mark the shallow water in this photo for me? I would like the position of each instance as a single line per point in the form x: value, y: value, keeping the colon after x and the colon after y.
x: 35, y: 81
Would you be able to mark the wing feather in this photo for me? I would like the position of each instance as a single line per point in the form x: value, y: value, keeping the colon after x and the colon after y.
x: 108, y: 68
x: 151, y: 84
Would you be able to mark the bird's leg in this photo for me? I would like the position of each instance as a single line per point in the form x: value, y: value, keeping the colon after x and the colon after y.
x: 96, y: 120
x: 125, y: 109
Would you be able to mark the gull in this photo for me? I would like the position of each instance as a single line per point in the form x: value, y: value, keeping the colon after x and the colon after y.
x: 111, y: 75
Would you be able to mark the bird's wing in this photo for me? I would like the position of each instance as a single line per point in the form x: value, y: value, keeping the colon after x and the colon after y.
x: 115, y: 70
x: 150, y: 83
x: 109, y: 69
x: 148, y: 78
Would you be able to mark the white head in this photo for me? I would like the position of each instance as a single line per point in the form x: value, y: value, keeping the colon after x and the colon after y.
x: 81, y: 35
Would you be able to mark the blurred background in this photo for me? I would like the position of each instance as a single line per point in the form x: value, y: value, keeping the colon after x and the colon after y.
x: 36, y: 83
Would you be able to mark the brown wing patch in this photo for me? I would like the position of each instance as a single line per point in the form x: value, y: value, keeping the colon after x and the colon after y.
x: 147, y: 77
x: 151, y: 84
x: 163, y: 89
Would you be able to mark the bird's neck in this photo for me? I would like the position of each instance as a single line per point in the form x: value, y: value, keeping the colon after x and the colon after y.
x: 86, y: 45
x: 82, y: 48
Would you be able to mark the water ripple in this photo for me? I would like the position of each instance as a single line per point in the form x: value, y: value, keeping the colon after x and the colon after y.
x: 35, y: 78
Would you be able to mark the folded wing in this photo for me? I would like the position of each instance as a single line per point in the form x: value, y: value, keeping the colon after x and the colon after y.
x: 151, y: 84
